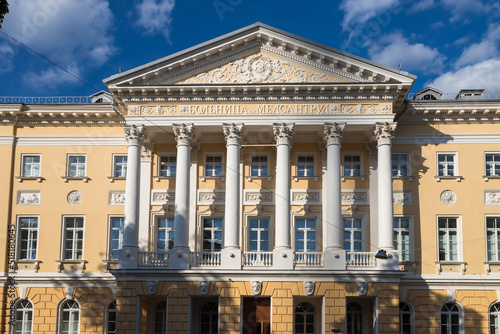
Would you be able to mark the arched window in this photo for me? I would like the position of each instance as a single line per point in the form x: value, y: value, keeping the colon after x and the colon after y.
x: 161, y: 318
x: 24, y: 317
x: 304, y: 318
x: 428, y: 97
x: 354, y: 318
x: 495, y: 318
x: 209, y: 318
x: 405, y: 319
x: 111, y: 323
x: 70, y: 317
x: 450, y: 318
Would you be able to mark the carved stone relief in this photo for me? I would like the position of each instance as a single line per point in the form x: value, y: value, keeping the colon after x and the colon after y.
x: 309, y: 288
x: 74, y: 197
x: 258, y: 197
x: 306, y: 197
x: 116, y: 197
x: 358, y: 197
x: 29, y: 197
x: 256, y: 288
x: 211, y: 197
x: 448, y: 197
x: 204, y: 285
x: 161, y: 197
x: 152, y: 287
x: 492, y: 197
x: 401, y: 198
x: 362, y: 288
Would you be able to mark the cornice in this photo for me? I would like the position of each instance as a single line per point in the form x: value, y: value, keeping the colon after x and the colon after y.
x: 72, y: 141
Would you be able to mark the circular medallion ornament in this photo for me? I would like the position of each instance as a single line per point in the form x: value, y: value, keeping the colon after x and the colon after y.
x: 448, y: 197
x: 74, y: 197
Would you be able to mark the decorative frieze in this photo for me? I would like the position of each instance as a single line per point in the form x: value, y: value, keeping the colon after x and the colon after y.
x: 29, y: 197
x: 403, y: 198
x: 162, y: 197
x: 215, y: 196
x: 116, y: 197
x: 312, y: 197
x: 492, y: 197
x: 263, y: 197
x: 448, y: 197
x: 358, y: 197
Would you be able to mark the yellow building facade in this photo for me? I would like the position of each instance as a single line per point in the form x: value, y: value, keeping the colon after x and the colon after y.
x: 256, y: 183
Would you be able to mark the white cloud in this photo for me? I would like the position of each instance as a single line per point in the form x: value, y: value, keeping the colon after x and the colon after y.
x: 391, y: 49
x: 52, y: 77
x: 460, y: 9
x: 6, y: 57
x: 63, y: 30
x: 358, y: 12
x: 421, y: 5
x: 483, y: 50
x: 485, y: 74
x: 156, y: 16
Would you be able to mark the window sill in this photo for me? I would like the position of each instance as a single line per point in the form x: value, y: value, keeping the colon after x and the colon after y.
x: 450, y: 267
x: 25, y: 264
x: 71, y: 178
x: 487, y: 178
x: 297, y: 178
x: 268, y: 177
x: 361, y: 177
x: 439, y: 178
x: 158, y: 178
x: 71, y: 265
x: 409, y: 178
x: 204, y: 178
x: 113, y: 178
x: 20, y: 179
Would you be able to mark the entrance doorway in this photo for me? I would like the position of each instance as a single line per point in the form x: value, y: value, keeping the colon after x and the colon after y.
x: 256, y: 318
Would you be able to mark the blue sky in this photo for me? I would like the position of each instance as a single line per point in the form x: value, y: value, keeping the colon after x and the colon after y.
x: 449, y: 44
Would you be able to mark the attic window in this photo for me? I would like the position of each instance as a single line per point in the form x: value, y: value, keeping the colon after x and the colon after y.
x: 428, y: 97
x: 99, y: 100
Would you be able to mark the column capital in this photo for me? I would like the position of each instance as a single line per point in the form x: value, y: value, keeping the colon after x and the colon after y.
x: 232, y: 133
x: 134, y: 134
x: 146, y: 152
x: 333, y: 133
x: 183, y: 133
x: 384, y: 132
x: 283, y: 133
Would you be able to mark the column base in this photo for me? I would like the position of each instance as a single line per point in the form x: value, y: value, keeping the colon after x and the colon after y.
x: 178, y: 258
x: 231, y: 258
x: 392, y: 263
x: 335, y: 259
x: 283, y: 258
x: 127, y: 257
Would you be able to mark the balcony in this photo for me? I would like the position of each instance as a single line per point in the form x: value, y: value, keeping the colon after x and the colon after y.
x: 153, y: 259
x: 257, y: 259
x: 309, y: 259
x: 205, y: 259
x: 360, y: 259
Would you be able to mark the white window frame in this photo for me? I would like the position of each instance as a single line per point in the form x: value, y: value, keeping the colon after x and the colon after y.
x: 248, y: 230
x: 362, y: 229
x: 155, y: 227
x: 318, y: 304
x: 486, y: 167
x: 455, y: 164
x: 411, y: 240
x: 250, y: 163
x: 301, y: 214
x: 314, y: 163
x: 459, y: 238
x: 63, y: 238
x: 461, y: 323
x: 19, y: 240
x: 24, y: 320
x: 361, y: 165
x: 166, y: 155
x: 497, y: 238
x: 106, y: 317
x: 408, y: 165
x: 60, y: 320
x: 23, y: 164
x: 201, y: 219
x: 117, y: 155
x: 222, y: 163
x: 496, y: 313
x: 412, y: 315
x: 110, y: 229
x: 68, y: 165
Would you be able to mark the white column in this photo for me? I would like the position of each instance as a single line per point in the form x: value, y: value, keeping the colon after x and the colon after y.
x: 333, y: 228
x: 128, y: 256
x: 145, y: 195
x: 384, y: 134
x: 232, y: 217
x: 179, y: 256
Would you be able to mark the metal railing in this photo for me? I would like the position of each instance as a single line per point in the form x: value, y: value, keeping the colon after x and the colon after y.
x: 46, y: 100
x: 453, y: 96
x: 257, y: 259
x: 153, y: 259
x: 205, y: 259
x: 361, y: 259
x: 310, y: 259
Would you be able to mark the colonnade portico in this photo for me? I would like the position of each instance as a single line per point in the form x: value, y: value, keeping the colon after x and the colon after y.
x: 283, y: 254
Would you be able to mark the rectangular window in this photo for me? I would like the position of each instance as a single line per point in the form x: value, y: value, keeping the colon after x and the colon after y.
x: 305, y: 165
x: 73, y: 238
x: 352, y: 235
x: 305, y: 235
x: 28, y: 238
x: 213, y: 165
x: 352, y: 165
x: 30, y: 166
x: 447, y: 164
x: 165, y: 234
x: 120, y: 166
x: 402, y: 238
x: 212, y: 234
x: 492, y: 164
x: 259, y: 166
x: 400, y: 165
x: 258, y: 231
x: 116, y: 237
x: 167, y: 166
x: 493, y: 238
x: 448, y: 238
x: 76, y: 165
